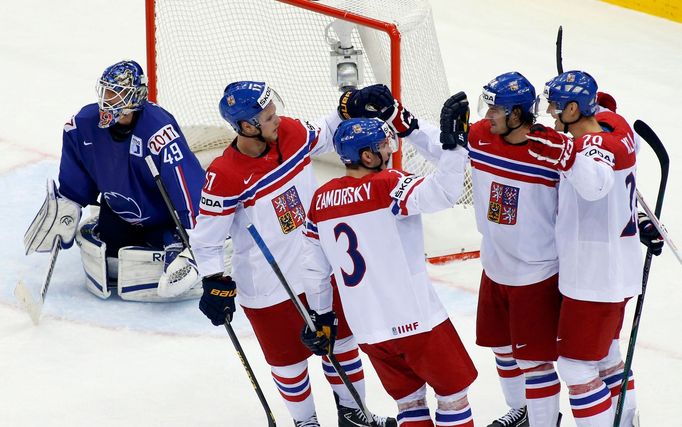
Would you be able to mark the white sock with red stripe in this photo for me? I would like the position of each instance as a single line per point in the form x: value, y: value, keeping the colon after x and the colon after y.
x: 415, y: 417
x: 454, y: 410
x: 592, y: 408
x: 511, y: 377
x: 346, y: 352
x: 542, y: 393
x: 293, y: 384
x: 613, y: 382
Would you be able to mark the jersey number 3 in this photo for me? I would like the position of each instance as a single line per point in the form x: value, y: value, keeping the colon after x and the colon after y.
x: 359, y: 265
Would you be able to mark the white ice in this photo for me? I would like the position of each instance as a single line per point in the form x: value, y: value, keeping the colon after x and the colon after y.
x: 110, y: 363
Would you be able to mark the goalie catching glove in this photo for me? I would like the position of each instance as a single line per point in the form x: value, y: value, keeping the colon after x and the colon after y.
x: 454, y: 121
x: 217, y: 301
x: 321, y: 340
x: 377, y: 101
x: 180, y: 272
x: 550, y: 146
x: 57, y: 218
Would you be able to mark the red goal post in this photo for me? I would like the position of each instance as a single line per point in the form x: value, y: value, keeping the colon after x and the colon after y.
x: 196, y: 47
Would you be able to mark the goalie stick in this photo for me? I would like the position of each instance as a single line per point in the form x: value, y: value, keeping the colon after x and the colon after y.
x: 655, y: 143
x: 306, y: 317
x: 228, y: 327
x: 23, y: 295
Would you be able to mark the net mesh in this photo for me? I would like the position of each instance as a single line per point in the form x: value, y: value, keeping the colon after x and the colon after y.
x: 202, y: 45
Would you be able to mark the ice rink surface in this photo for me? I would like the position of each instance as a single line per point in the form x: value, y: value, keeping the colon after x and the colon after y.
x: 109, y: 363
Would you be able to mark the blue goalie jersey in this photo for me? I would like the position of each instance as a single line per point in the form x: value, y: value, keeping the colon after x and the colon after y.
x: 94, y: 163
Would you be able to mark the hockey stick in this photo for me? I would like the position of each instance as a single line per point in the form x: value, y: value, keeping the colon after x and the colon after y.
x: 559, y: 60
x: 659, y: 227
x: 228, y: 327
x: 23, y: 295
x: 306, y: 317
x: 655, y: 143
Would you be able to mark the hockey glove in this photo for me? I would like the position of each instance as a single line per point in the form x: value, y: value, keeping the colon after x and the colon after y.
x: 320, y: 341
x: 171, y: 251
x: 366, y: 102
x: 550, y: 146
x: 607, y: 101
x: 649, y: 235
x: 399, y: 119
x: 454, y: 121
x: 217, y: 302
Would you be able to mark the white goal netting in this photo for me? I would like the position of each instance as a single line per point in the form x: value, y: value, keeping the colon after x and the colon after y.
x: 199, y: 46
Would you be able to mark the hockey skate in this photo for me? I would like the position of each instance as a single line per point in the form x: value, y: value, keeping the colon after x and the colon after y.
x: 353, y: 417
x: 310, y: 422
x: 513, y: 418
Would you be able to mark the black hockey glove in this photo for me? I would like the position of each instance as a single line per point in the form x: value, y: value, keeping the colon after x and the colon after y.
x: 649, y: 235
x: 217, y: 301
x: 366, y: 102
x: 320, y: 341
x: 454, y: 121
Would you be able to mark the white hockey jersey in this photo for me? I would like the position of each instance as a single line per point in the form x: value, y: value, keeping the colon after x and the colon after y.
x: 597, y: 236
x: 515, y: 202
x: 368, y: 232
x: 272, y: 192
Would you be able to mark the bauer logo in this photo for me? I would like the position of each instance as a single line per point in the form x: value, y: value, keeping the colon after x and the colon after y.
x: 211, y: 203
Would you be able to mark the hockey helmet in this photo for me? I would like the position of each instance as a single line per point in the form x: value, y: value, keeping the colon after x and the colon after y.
x: 573, y: 86
x: 509, y: 90
x: 355, y: 135
x: 121, y: 89
x: 244, y: 101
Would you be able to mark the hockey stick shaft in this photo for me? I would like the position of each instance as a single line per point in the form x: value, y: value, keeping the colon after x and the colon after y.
x: 228, y: 327
x: 559, y: 41
x: 655, y: 143
x: 306, y: 317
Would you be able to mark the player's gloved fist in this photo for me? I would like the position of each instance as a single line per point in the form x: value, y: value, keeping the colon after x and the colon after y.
x: 454, y: 121
x: 320, y: 341
x: 399, y: 119
x: 366, y: 102
x: 649, y: 235
x: 550, y: 146
x: 217, y: 301
x: 607, y: 101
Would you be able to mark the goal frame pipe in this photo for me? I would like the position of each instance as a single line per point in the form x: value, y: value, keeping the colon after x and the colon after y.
x: 390, y: 29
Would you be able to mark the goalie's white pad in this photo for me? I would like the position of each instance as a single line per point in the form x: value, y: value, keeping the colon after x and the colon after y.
x: 139, y: 270
x: 58, y: 217
x: 93, y: 257
x: 181, y: 275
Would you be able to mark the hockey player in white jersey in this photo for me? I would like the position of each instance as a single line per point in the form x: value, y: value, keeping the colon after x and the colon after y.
x: 366, y: 229
x: 600, y: 260
x: 265, y: 178
x: 515, y: 202
x: 132, y: 244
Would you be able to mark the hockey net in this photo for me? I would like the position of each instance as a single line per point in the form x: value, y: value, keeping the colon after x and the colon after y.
x: 196, y: 47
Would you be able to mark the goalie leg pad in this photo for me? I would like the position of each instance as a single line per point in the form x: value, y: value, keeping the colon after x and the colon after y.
x: 58, y: 217
x: 93, y: 258
x: 139, y: 271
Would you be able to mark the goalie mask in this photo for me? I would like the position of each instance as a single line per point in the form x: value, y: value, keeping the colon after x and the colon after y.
x: 243, y: 101
x: 121, y: 90
x: 354, y: 136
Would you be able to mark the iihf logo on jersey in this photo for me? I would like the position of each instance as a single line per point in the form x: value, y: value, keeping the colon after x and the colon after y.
x: 126, y: 207
x: 289, y: 210
x: 504, y: 203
